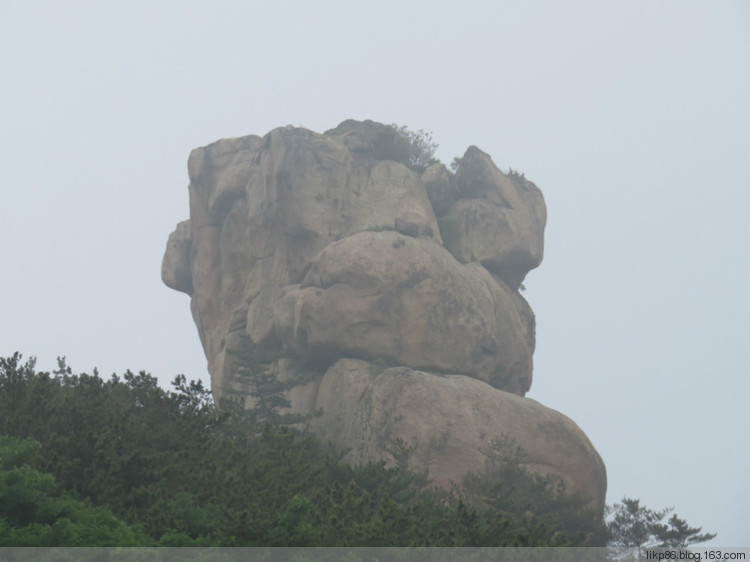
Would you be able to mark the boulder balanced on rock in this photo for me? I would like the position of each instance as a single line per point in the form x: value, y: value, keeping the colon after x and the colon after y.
x: 399, y: 285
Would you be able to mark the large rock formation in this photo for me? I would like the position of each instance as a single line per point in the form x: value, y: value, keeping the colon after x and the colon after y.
x: 397, y: 289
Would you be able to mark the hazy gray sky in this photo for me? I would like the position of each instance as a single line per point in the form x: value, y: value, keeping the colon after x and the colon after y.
x: 633, y: 117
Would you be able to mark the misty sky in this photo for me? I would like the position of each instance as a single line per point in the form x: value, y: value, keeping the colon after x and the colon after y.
x: 633, y: 118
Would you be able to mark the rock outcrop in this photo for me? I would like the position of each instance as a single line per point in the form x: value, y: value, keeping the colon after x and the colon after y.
x: 400, y: 287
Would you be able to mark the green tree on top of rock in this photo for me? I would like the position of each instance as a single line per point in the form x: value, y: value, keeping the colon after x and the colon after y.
x: 414, y: 149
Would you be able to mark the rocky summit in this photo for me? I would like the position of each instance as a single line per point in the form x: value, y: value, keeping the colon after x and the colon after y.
x: 389, y: 290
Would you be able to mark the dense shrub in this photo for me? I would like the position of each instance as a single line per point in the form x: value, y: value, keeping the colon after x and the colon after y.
x: 169, y: 468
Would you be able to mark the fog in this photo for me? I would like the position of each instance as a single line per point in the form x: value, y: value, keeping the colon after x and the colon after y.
x: 632, y: 117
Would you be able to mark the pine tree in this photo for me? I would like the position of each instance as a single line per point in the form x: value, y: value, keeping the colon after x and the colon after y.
x: 633, y: 526
x: 268, y: 393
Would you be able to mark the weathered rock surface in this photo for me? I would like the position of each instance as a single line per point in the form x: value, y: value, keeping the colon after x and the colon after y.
x: 496, y: 220
x: 382, y: 295
x: 330, y: 249
x: 454, y: 422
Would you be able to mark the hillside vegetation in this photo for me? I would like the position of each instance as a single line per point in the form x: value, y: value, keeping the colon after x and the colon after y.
x: 91, y: 461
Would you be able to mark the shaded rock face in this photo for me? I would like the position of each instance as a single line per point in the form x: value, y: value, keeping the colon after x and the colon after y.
x: 453, y: 422
x: 318, y: 247
x: 382, y: 295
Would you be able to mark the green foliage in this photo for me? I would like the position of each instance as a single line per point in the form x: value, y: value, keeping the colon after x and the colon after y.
x: 124, y: 462
x: 259, y: 383
x: 264, y: 387
x: 401, y: 452
x: 18, y: 452
x: 511, y: 492
x: 181, y: 520
x: 414, y: 149
x: 632, y: 526
x: 418, y: 145
x: 35, y: 511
